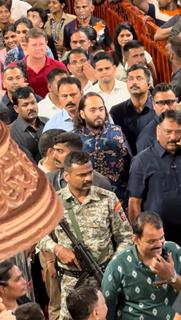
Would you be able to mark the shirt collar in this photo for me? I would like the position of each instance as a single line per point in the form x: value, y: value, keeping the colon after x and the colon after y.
x: 147, y: 105
x: 23, y: 124
x: 65, y: 115
x: 6, y: 100
x: 160, y: 150
x: 67, y: 195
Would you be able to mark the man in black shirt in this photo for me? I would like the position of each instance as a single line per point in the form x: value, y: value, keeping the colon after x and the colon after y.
x: 163, y: 99
x: 28, y: 127
x: 155, y: 176
x: 13, y: 78
x: 134, y: 114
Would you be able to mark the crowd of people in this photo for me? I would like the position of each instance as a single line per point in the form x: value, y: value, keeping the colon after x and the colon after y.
x: 89, y: 111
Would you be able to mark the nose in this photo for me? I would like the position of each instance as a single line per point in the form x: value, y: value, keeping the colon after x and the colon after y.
x: 88, y: 177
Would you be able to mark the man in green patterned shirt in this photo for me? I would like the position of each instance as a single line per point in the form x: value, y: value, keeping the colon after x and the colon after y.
x: 141, y: 282
x: 98, y: 218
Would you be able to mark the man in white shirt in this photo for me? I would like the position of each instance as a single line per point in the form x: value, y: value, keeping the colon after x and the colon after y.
x: 50, y: 105
x: 79, y: 65
x: 108, y: 87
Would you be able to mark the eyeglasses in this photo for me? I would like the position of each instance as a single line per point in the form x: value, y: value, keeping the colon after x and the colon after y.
x: 169, y: 102
x: 81, y: 62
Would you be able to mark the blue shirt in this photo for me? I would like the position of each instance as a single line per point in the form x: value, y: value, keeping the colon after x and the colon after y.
x: 108, y: 154
x: 61, y: 120
x: 147, y: 136
x: 155, y: 177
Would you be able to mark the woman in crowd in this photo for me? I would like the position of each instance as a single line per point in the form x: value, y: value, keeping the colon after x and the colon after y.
x: 9, y: 40
x: 56, y: 23
x: 13, y: 286
x: 124, y: 32
x: 5, y: 19
x: 22, y: 26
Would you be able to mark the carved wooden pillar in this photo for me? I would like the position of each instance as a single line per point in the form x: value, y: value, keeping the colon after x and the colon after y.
x: 29, y: 208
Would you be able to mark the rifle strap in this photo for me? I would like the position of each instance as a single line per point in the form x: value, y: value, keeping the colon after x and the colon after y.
x: 77, y: 231
x: 74, y: 222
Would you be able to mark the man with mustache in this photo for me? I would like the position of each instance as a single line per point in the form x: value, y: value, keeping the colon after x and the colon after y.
x: 69, y: 93
x: 94, y: 215
x: 135, y: 113
x: 164, y: 98
x: 28, y: 127
x: 155, y: 176
x: 104, y: 142
x: 143, y: 281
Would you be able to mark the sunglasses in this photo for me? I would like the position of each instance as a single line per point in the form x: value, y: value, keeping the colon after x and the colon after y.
x: 169, y: 102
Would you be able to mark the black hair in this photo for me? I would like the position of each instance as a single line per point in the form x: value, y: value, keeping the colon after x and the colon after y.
x: 21, y: 93
x: 12, y: 68
x: 53, y: 136
x: 46, y: 140
x: 7, y: 28
x: 63, y: 2
x: 140, y: 67
x: 5, y: 4
x: 4, y: 114
x: 76, y: 157
x: 55, y: 72
x: 29, y: 311
x: 172, y: 115
x: 5, y: 267
x: 79, y: 123
x: 69, y: 80
x: 25, y: 21
x: 103, y: 56
x: 42, y: 13
x: 146, y: 217
x: 162, y: 87
x: 72, y: 140
x: 77, y: 51
x: 81, y: 302
x: 82, y: 29
x: 118, y: 55
x: 132, y: 44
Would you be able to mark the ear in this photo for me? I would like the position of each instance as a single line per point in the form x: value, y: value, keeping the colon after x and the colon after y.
x: 49, y: 86
x: 134, y: 238
x: 92, y: 8
x: 41, y: 24
x: 95, y: 314
x: 82, y: 114
x: 16, y: 108
x: 66, y: 176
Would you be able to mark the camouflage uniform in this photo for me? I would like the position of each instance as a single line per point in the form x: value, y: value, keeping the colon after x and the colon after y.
x: 99, y: 217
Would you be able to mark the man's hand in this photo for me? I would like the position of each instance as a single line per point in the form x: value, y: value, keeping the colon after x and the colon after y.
x: 164, y: 269
x: 66, y: 255
x: 89, y: 72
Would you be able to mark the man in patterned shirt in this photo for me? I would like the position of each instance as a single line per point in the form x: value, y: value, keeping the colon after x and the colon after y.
x: 142, y: 281
x: 94, y: 215
x: 104, y: 142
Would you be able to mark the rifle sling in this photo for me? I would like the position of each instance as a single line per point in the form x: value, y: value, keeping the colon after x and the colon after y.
x: 78, y: 233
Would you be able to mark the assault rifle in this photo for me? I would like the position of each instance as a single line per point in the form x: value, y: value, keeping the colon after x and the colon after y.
x: 83, y: 255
